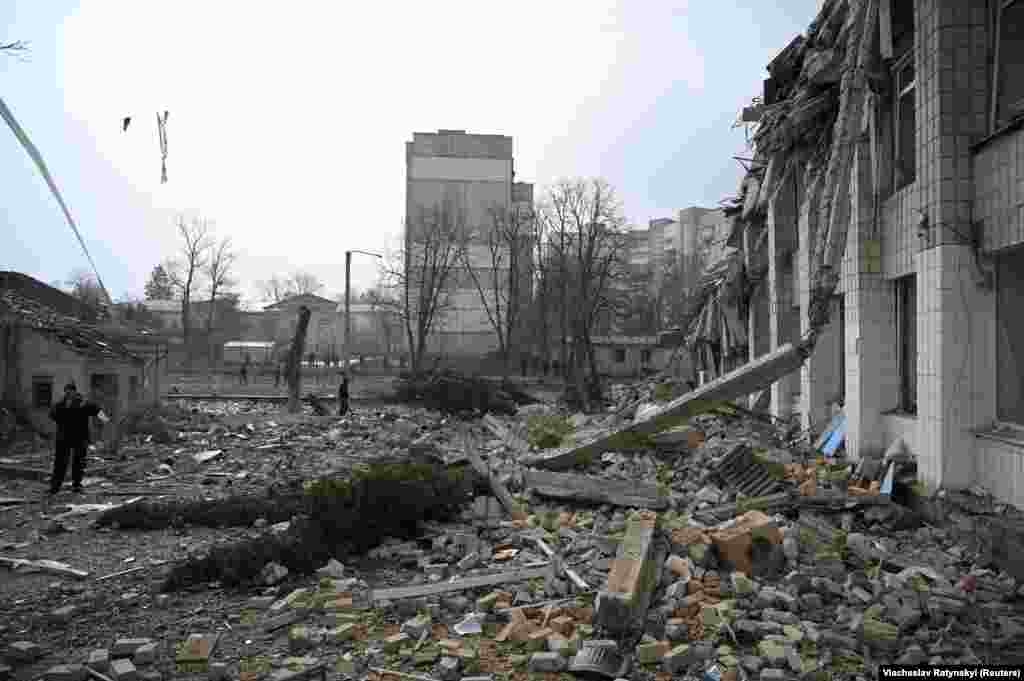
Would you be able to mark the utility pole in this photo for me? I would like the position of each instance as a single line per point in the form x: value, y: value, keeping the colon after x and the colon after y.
x: 348, y: 305
x: 348, y: 311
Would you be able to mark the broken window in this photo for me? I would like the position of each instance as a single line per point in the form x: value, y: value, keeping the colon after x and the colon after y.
x: 620, y: 355
x: 904, y: 124
x: 42, y: 392
x: 1010, y: 336
x: 1009, y: 61
x: 906, y: 332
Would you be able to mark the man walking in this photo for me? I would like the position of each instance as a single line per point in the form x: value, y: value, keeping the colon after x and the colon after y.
x: 343, y: 395
x: 72, y: 416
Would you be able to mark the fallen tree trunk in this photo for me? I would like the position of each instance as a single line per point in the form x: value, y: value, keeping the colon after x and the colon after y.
x: 585, y: 488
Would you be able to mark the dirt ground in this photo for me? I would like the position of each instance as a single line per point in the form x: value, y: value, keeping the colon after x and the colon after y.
x: 119, y: 598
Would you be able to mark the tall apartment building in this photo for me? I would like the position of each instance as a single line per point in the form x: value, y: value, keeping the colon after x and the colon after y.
x: 470, y: 177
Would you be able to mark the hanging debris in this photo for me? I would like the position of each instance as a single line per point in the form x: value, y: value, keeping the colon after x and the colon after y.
x: 161, y: 127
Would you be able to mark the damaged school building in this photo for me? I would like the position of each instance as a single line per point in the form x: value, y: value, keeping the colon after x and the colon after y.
x: 883, y: 212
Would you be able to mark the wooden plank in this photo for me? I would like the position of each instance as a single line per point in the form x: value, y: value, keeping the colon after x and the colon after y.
x: 44, y: 565
x: 570, y: 487
x: 520, y: 575
x: 747, y: 379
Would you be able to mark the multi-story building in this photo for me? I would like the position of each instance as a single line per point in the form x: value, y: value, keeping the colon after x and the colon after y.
x: 469, y: 178
x: 926, y: 343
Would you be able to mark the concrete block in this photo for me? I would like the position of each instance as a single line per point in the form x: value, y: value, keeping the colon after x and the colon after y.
x: 99, y: 660
x: 123, y: 670
x: 627, y: 593
x: 126, y: 647
x: 66, y: 672
x: 144, y: 654
x: 546, y: 663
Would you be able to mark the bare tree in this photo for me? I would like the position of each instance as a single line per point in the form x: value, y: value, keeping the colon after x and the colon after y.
x: 186, y: 269
x: 303, y: 283
x: 218, y: 272
x: 585, y: 252
x: 501, y: 280
x: 435, y: 244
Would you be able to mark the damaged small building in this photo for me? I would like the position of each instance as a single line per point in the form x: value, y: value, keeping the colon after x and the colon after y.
x: 883, y: 214
x: 46, y: 342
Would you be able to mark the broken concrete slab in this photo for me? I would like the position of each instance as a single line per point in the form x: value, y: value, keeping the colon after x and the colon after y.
x: 627, y: 594
x: 749, y: 378
x: 592, y: 489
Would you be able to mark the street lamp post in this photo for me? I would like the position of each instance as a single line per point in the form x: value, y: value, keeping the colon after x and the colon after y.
x: 348, y: 303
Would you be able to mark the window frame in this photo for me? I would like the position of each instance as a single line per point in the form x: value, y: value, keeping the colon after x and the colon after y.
x: 1002, y: 263
x: 905, y: 301
x: 999, y: 8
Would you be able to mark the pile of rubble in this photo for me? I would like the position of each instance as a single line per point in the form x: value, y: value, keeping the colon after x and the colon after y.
x: 711, y: 546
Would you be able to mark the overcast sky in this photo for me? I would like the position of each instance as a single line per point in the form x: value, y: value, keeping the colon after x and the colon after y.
x: 288, y: 120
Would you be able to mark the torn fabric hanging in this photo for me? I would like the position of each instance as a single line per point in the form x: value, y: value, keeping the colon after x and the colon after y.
x: 161, y: 128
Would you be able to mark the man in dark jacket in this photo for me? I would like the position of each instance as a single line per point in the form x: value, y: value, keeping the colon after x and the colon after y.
x: 72, y: 416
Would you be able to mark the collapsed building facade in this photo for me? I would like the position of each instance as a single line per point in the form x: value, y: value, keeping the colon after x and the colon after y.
x: 883, y: 214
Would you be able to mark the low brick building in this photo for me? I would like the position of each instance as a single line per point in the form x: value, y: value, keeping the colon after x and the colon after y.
x: 44, y: 345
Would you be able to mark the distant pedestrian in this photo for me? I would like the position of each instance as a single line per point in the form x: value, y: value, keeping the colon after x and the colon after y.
x: 244, y: 373
x: 72, y: 416
x: 343, y: 395
x: 277, y: 375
